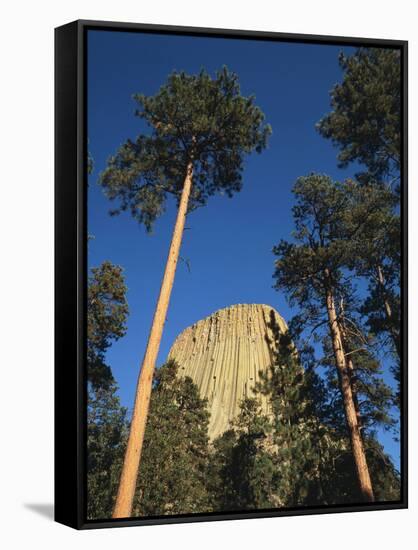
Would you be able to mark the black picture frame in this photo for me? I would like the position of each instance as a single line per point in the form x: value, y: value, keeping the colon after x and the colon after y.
x: 71, y: 270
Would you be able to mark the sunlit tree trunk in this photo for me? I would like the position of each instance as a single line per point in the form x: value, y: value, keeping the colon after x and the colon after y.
x: 357, y: 447
x: 351, y: 371
x: 127, y: 484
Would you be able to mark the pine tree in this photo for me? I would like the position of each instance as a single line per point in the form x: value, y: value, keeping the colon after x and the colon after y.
x: 274, y: 460
x: 376, y: 258
x: 365, y: 123
x: 106, y: 439
x: 331, y: 470
x: 337, y: 472
x: 293, y: 424
x: 242, y: 474
x: 107, y: 311
x: 175, y: 457
x: 365, y: 120
x: 201, y: 129
x: 299, y: 454
x: 312, y: 270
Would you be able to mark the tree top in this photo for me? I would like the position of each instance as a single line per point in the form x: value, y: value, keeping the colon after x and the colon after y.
x: 366, y: 107
x: 192, y: 118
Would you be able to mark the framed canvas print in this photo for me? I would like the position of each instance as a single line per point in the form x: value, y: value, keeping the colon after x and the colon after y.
x: 231, y: 276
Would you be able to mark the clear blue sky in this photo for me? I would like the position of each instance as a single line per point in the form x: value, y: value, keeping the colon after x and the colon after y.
x: 228, y: 243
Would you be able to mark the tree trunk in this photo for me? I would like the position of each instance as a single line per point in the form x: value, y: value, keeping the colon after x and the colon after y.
x: 349, y: 407
x: 128, y: 479
x: 351, y: 372
x: 388, y: 311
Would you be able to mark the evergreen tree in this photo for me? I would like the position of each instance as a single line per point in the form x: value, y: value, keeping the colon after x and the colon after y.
x: 312, y: 270
x: 294, y: 424
x: 330, y: 474
x: 312, y: 456
x: 106, y: 438
x: 275, y: 460
x: 299, y: 454
x: 201, y: 129
x: 107, y: 311
x: 386, y: 479
x: 376, y: 257
x: 365, y: 120
x: 242, y: 472
x: 365, y: 124
x: 337, y: 472
x: 175, y: 457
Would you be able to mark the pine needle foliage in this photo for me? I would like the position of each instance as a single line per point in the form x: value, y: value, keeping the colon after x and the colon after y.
x: 191, y: 118
x: 366, y: 107
x: 173, y: 469
x: 107, y: 311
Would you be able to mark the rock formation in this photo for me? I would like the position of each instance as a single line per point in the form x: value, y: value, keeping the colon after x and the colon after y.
x: 224, y: 354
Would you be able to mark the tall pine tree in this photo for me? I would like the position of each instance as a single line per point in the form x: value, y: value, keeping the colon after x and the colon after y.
x: 201, y: 129
x: 366, y: 112
x: 313, y: 272
x: 365, y: 124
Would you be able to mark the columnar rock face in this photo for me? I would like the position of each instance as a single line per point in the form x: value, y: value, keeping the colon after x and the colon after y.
x: 224, y: 354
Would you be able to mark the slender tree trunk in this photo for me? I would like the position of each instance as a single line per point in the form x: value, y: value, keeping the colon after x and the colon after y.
x: 388, y: 311
x: 128, y: 479
x: 351, y: 371
x: 350, y: 367
x: 359, y: 455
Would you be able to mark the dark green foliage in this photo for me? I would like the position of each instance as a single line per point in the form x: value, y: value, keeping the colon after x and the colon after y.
x: 331, y: 220
x: 308, y: 413
x: 374, y: 397
x: 107, y: 310
x: 328, y: 227
x: 175, y: 453
x: 385, y: 477
x: 276, y: 460
x: 375, y: 256
x: 378, y: 321
x: 298, y: 455
x: 365, y: 120
x: 193, y: 118
x: 294, y: 424
x: 320, y: 252
x: 337, y: 480
x: 365, y: 124
x: 106, y: 437
x: 242, y: 473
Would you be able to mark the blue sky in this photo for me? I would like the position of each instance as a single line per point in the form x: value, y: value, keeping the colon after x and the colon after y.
x: 227, y: 243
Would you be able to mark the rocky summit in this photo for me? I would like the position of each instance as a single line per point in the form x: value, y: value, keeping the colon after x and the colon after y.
x: 224, y: 354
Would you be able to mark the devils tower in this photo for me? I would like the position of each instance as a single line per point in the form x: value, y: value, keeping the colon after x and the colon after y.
x: 224, y: 354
